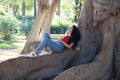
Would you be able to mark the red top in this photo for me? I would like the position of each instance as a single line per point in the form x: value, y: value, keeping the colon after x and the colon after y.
x: 65, y: 38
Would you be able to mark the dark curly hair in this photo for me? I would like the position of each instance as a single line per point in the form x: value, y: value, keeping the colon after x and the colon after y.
x: 75, y: 36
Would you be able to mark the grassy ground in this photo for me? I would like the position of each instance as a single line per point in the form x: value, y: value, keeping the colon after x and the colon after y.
x: 18, y: 41
x: 12, y: 48
x: 12, y: 44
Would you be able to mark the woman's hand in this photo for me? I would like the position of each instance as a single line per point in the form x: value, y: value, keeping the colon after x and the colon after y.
x: 67, y: 45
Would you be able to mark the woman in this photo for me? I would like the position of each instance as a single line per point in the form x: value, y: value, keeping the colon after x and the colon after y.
x: 68, y: 40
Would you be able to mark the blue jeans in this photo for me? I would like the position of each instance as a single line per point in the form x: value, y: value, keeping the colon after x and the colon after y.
x: 47, y: 42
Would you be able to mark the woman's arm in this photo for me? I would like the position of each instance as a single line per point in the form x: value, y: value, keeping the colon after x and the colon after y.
x: 67, y: 45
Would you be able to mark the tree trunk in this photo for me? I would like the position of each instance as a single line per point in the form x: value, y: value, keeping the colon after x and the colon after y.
x: 35, y: 8
x: 6, y: 7
x: 43, y: 20
x: 58, y: 9
x: 26, y: 68
x: 43, y: 8
x: 98, y: 18
x: 46, y: 26
x: 23, y: 8
x: 15, y: 10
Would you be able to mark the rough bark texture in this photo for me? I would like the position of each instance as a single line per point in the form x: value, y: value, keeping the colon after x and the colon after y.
x: 98, y: 18
x: 26, y: 68
x: 47, y: 24
x: 117, y: 44
x: 99, y: 69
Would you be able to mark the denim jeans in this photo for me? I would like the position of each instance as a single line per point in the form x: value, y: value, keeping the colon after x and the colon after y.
x: 47, y: 42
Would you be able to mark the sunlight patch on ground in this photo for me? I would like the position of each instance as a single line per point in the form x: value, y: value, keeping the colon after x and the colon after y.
x: 8, y: 54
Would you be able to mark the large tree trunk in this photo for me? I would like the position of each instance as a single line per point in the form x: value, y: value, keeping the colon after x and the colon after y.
x: 98, y: 18
x: 26, y: 68
x: 99, y: 69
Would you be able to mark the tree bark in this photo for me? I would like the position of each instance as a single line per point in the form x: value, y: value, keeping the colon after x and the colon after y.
x: 98, y: 17
x: 35, y: 11
x: 26, y: 68
x: 15, y: 10
x: 46, y: 26
x: 23, y: 8
x: 43, y: 8
x: 99, y: 69
x: 41, y: 23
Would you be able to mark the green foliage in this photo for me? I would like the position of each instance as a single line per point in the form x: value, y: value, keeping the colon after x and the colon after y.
x: 17, y: 42
x: 2, y: 13
x: 60, y: 26
x: 81, y: 1
x: 16, y: 5
x: 55, y: 29
x: 66, y: 10
x: 8, y: 25
x: 19, y: 17
x: 70, y: 9
x: 26, y: 25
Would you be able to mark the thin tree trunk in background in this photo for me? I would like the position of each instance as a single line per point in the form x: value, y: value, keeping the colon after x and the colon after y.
x: 35, y: 8
x: 6, y: 7
x: 23, y: 8
x: 15, y: 8
x: 58, y: 10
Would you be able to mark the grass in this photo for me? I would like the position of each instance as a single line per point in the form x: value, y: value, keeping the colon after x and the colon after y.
x: 11, y: 44
x: 18, y: 41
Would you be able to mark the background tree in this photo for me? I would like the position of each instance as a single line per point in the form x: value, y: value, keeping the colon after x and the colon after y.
x: 35, y: 10
x: 5, y: 4
x: 44, y: 22
x: 76, y: 8
x: 18, y: 6
x: 8, y: 26
x: 23, y: 8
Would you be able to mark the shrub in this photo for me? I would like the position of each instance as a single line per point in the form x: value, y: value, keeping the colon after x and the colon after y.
x: 60, y: 27
x: 7, y: 26
x: 19, y: 17
x: 26, y: 25
x: 2, y: 13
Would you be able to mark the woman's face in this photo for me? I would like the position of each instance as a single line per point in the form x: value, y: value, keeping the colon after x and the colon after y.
x: 70, y: 30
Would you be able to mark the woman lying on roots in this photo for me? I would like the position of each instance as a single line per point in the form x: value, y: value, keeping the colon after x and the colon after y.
x: 69, y: 40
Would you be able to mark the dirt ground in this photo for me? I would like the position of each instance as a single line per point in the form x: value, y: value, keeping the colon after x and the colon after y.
x: 6, y: 54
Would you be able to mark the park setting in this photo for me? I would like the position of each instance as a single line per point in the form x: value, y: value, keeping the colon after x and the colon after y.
x: 19, y: 19
x: 82, y: 38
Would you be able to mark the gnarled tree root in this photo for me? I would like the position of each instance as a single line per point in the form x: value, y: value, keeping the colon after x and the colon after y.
x: 30, y: 68
x: 99, y: 69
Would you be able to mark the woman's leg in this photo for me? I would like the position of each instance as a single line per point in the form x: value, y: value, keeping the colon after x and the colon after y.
x: 43, y: 42
x: 47, y: 41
